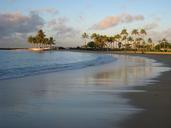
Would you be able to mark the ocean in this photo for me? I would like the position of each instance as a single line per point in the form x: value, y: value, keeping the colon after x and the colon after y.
x: 15, y: 64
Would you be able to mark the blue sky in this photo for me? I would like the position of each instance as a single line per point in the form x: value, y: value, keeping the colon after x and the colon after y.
x: 67, y: 19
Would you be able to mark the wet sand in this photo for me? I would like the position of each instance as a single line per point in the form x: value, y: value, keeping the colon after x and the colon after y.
x: 85, y: 98
x: 155, y: 99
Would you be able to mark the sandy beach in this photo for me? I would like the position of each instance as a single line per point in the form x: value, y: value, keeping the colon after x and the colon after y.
x: 155, y: 100
x: 102, y: 96
x: 85, y: 64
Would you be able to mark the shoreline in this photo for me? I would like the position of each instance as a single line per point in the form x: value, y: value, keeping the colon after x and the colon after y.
x: 154, y: 99
x: 14, y: 49
x: 87, y: 96
x: 29, y: 49
x: 82, y: 50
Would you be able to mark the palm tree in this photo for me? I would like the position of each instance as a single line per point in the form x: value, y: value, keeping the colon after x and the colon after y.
x: 104, y: 41
x: 118, y: 39
x: 124, y: 32
x: 124, y: 35
x: 114, y: 41
x: 30, y: 39
x: 51, y: 41
x: 35, y: 41
x: 135, y: 34
x: 96, y: 38
x: 93, y: 36
x: 111, y: 41
x: 46, y: 42
x: 138, y: 43
x: 85, y: 36
x: 101, y: 41
x: 130, y: 40
x: 150, y: 43
x: 40, y: 37
x: 150, y: 40
x: 158, y: 47
x: 164, y: 42
x: 163, y: 45
x: 124, y: 39
x: 143, y: 32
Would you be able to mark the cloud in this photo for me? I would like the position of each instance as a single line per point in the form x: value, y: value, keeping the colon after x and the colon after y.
x: 112, y: 21
x: 18, y: 41
x: 167, y: 33
x: 14, y: 28
x: 151, y: 26
x: 17, y: 23
x: 81, y: 18
x: 158, y: 35
x: 61, y: 29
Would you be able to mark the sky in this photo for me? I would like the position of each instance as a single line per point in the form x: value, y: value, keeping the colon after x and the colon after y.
x: 66, y: 20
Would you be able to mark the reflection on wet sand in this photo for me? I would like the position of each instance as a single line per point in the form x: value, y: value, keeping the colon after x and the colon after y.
x: 126, y: 71
x: 86, y: 98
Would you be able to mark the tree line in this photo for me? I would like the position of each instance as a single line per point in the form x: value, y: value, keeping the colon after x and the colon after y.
x: 40, y: 40
x: 135, y: 40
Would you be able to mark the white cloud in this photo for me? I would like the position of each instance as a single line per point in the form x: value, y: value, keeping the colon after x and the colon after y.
x: 151, y: 26
x: 112, y: 21
x: 61, y: 28
x: 158, y: 35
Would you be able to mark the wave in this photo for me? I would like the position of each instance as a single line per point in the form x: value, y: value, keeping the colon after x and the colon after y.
x: 36, y: 70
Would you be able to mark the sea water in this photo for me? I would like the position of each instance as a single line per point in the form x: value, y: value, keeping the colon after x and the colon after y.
x: 15, y: 64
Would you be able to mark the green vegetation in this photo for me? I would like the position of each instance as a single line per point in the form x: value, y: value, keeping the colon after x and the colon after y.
x: 91, y: 44
x: 163, y: 45
x: 136, y: 40
x: 40, y: 40
x: 85, y: 36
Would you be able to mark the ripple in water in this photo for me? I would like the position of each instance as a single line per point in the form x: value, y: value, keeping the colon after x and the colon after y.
x: 15, y: 64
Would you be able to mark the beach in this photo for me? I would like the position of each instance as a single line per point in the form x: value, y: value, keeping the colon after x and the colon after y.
x: 155, y: 100
x: 107, y: 94
x: 85, y: 64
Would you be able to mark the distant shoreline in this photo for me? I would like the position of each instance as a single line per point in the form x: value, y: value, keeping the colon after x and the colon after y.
x: 123, y: 52
x: 14, y: 48
x: 30, y: 49
x: 85, y: 50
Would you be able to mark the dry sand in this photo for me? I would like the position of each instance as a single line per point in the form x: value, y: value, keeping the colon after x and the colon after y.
x: 156, y: 100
